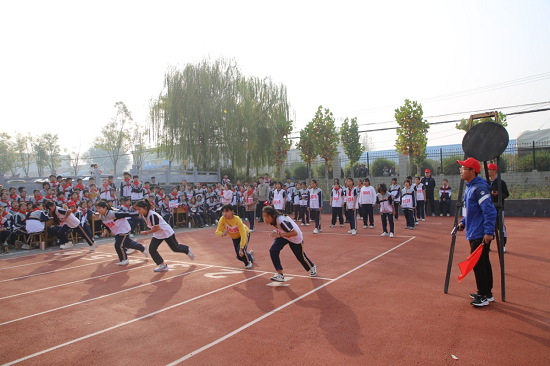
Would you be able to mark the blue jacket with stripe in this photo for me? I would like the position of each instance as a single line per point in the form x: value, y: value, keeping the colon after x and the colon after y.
x: 480, y: 213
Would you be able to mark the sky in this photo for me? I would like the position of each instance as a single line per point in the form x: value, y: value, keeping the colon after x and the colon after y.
x: 65, y: 63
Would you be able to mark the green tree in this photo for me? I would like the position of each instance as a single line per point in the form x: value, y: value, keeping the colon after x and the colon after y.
x: 281, y: 144
x: 412, y: 132
x: 115, y: 138
x: 308, y: 152
x: 325, y: 137
x: 8, y: 156
x: 141, y: 149
x: 38, y: 145
x: 464, y: 123
x: 50, y: 143
x: 349, y: 135
x: 23, y: 147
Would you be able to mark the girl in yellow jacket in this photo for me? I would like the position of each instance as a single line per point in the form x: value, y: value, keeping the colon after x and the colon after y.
x: 233, y: 226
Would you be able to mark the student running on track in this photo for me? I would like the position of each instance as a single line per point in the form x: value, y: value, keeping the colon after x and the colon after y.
x: 70, y: 221
x: 233, y: 226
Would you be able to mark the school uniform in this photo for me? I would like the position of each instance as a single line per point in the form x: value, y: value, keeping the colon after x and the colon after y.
x: 5, y: 227
x: 6, y: 204
x: 289, y: 202
x: 239, y: 233
x: 296, y: 201
x: 251, y: 199
x: 386, y: 210
x: 336, y: 199
x: 70, y: 223
x: 158, y: 199
x: 350, y: 197
x: 395, y: 191
x: 105, y: 192
x: 316, y: 205
x: 368, y: 199
x: 126, y: 189
x: 304, y: 204
x: 420, y: 198
x: 19, y: 226
x: 444, y: 200
x: 136, y: 191
x: 36, y: 200
x: 67, y: 190
x: 407, y: 204
x: 284, y: 225
x: 14, y: 198
x: 118, y: 223
x: 211, y: 208
x: 164, y: 234
x: 194, y: 213
x: 279, y: 200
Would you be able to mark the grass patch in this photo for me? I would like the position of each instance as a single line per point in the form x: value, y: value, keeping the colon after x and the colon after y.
x: 518, y: 191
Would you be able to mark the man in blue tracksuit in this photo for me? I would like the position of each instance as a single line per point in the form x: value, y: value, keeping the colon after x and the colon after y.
x: 479, y: 218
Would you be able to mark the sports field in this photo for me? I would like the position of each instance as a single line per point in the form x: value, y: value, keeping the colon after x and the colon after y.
x: 376, y: 301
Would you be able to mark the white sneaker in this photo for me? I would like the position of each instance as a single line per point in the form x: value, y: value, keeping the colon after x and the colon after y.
x: 448, y: 215
x: 252, y: 230
x: 503, y: 249
x: 320, y: 230
x: 278, y: 277
x: 350, y: 231
x: 332, y: 225
x: 313, y: 271
x: 354, y: 232
x: 423, y: 219
x: 391, y: 235
x: 206, y: 225
x: 315, y: 231
x: 302, y: 224
x: 124, y: 262
x: 128, y: 251
x: 162, y: 268
x: 252, y: 256
x: 307, y: 223
x: 371, y: 227
x: 191, y: 255
x: 92, y: 248
x: 66, y: 246
x: 440, y: 215
x: 248, y: 266
x: 145, y: 252
x: 215, y: 222
x: 384, y: 234
x: 365, y: 226
x: 360, y: 218
x: 131, y: 235
x: 25, y: 246
x: 341, y: 225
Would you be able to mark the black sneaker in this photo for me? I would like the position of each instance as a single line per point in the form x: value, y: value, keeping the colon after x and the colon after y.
x: 479, y: 301
x: 489, y: 298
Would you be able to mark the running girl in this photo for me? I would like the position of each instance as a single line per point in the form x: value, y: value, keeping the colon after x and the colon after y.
x: 239, y: 233
x: 161, y: 232
x: 286, y: 232
x: 68, y: 221
x: 117, y: 222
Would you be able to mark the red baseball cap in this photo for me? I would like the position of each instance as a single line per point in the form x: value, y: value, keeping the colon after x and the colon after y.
x: 492, y: 166
x: 71, y: 203
x: 471, y: 163
x: 427, y: 171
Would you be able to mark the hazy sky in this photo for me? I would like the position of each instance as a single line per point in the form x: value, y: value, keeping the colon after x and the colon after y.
x: 65, y: 64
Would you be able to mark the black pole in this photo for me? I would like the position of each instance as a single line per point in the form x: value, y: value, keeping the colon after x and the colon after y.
x: 500, y: 232
x: 440, y: 161
x: 368, y: 164
x: 534, y: 160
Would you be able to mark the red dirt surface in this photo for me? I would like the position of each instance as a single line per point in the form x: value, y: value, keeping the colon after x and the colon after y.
x: 377, y: 301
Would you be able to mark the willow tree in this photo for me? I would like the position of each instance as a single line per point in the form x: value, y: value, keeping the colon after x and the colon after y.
x: 210, y: 114
x: 349, y: 135
x: 308, y: 152
x: 412, y: 132
x: 325, y: 137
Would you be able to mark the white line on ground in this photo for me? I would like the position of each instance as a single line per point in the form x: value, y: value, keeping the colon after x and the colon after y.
x: 100, y: 297
x: 50, y: 260
x: 126, y: 323
x: 73, y: 282
x: 346, y: 234
x: 236, y: 331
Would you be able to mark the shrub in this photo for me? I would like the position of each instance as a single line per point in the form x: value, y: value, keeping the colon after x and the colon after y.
x: 377, y: 167
x: 320, y: 171
x: 425, y: 164
x: 450, y: 166
x: 542, y: 162
x: 300, y: 172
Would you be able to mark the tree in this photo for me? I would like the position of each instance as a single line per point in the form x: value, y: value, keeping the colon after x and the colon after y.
x: 101, y: 158
x: 308, y: 152
x: 23, y: 147
x: 464, y: 124
x: 75, y: 158
x: 40, y: 154
x: 281, y: 145
x: 325, y: 137
x: 8, y: 156
x: 141, y: 149
x: 349, y: 135
x: 52, y: 148
x: 412, y: 133
x: 116, y: 137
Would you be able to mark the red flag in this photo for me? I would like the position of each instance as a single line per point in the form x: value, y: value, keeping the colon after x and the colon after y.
x: 469, y: 264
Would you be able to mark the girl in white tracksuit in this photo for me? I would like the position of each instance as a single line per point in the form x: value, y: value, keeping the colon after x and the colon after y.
x: 367, y: 199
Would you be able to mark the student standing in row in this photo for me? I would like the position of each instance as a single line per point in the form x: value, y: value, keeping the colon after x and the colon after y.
x: 233, y: 226
x: 384, y: 201
x: 336, y: 202
x: 420, y: 198
x: 286, y: 232
x: 444, y: 198
x: 368, y: 199
x: 304, y: 204
x: 350, y: 194
x: 161, y: 232
x: 315, y: 205
x: 407, y: 204
x: 395, y: 191
x: 251, y: 200
x: 279, y: 198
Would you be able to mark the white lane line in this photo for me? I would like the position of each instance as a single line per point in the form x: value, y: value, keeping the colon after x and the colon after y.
x: 25, y: 255
x: 238, y: 330
x: 128, y: 322
x: 351, y: 236
x: 254, y: 270
x: 99, y: 297
x: 50, y: 260
x: 73, y: 282
x: 56, y: 270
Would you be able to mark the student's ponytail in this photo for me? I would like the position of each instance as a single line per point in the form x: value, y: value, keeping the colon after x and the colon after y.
x: 55, y: 218
x: 104, y: 204
x: 144, y: 204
